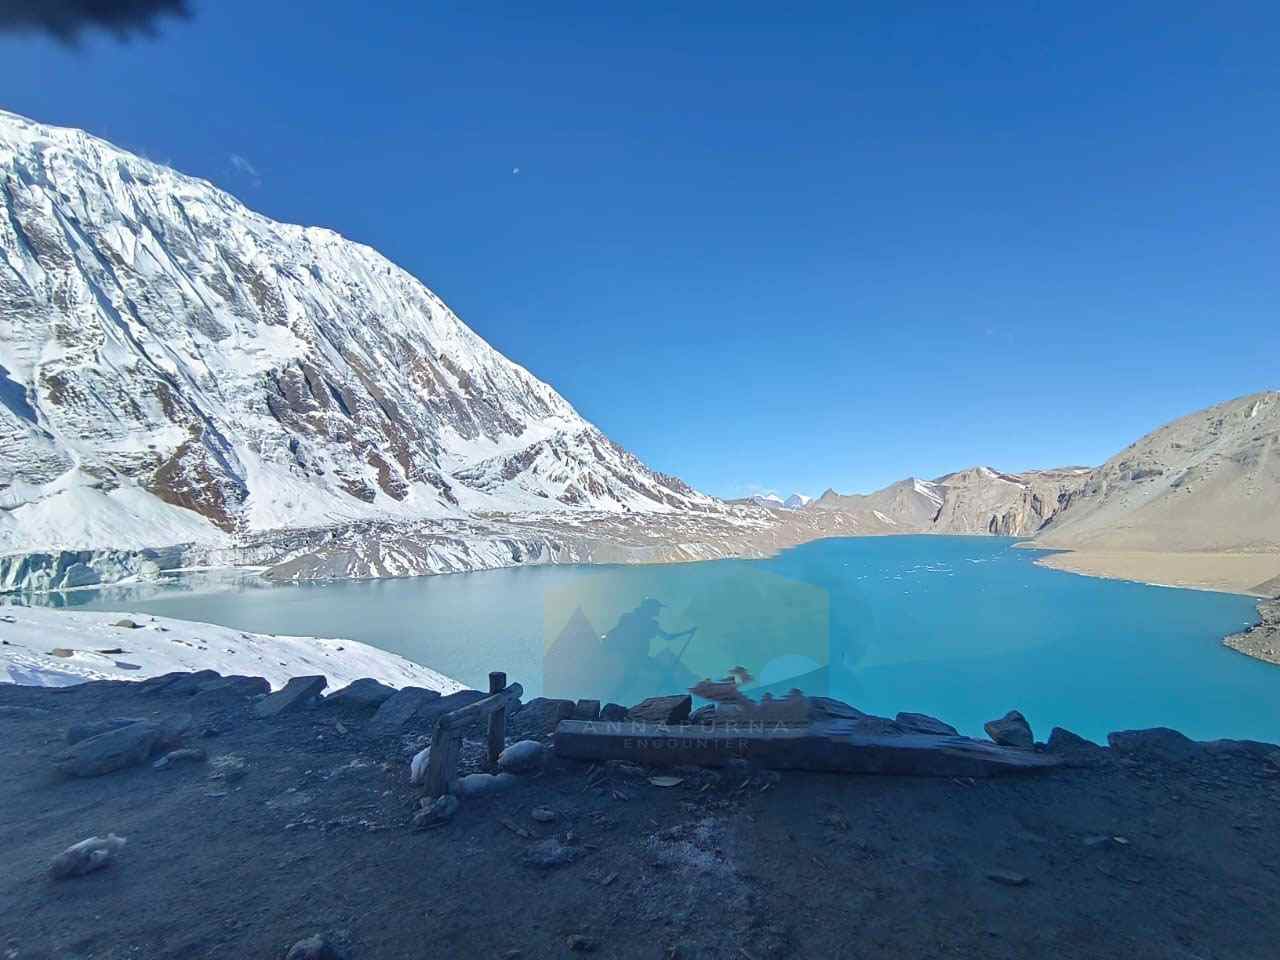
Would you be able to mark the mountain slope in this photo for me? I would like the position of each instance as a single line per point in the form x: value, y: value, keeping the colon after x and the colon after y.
x: 1208, y: 481
x: 979, y: 500
x: 175, y: 367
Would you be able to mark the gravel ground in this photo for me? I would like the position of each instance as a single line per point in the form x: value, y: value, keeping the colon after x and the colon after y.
x: 302, y: 825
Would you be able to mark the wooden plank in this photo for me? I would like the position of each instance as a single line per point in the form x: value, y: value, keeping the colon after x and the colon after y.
x: 481, y: 708
x: 828, y: 746
x: 497, y: 719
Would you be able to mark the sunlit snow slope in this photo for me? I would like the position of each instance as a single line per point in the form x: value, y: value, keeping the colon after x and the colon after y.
x: 176, y: 368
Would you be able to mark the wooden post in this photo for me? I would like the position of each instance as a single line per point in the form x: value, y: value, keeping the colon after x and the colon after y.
x: 443, y: 760
x: 497, y: 719
x: 446, y: 741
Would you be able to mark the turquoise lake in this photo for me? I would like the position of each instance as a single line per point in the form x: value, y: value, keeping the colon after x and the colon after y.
x: 963, y: 628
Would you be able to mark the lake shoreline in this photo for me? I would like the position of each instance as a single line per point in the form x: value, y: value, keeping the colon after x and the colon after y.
x: 1245, y: 574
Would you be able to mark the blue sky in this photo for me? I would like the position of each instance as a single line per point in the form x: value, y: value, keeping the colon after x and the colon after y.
x: 766, y: 246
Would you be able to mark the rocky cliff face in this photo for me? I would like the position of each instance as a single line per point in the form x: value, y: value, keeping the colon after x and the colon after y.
x: 983, y: 500
x: 175, y: 368
x: 1208, y: 481
x: 979, y: 500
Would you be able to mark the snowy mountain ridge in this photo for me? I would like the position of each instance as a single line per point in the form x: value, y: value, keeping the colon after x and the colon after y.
x: 176, y: 368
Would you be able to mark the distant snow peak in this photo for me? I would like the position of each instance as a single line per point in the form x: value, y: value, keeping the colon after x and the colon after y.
x: 771, y: 499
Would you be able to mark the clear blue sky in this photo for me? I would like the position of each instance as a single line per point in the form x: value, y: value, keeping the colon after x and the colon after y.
x: 766, y: 246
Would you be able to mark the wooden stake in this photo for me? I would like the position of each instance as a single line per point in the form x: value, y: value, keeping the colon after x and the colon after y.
x: 497, y: 719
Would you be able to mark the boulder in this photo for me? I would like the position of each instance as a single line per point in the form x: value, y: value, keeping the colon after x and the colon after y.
x: 418, y: 766
x: 1075, y: 749
x: 365, y: 692
x: 93, y: 728
x: 298, y: 694
x: 1011, y: 730
x: 85, y: 857
x: 586, y: 710
x: 541, y: 715
x: 923, y: 723
x: 666, y: 710
x: 1157, y: 743
x: 399, y: 708
x: 230, y: 688
x: 116, y: 749
x: 524, y: 756
x: 613, y: 713
x: 180, y: 684
x: 482, y: 784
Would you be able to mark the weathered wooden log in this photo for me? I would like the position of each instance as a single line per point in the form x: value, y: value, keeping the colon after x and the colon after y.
x: 829, y: 746
x: 442, y: 763
x: 498, y: 719
x: 481, y: 708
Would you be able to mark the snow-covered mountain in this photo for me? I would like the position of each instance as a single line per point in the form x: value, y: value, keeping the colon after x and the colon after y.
x: 176, y: 368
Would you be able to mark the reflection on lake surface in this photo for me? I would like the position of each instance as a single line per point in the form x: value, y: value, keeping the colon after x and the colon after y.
x: 964, y: 628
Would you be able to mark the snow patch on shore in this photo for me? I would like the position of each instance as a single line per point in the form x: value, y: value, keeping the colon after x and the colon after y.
x: 55, y: 648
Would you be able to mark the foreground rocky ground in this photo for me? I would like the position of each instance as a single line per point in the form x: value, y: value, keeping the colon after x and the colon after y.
x: 301, y: 824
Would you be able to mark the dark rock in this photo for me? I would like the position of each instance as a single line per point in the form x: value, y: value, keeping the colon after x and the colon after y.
x: 315, y: 947
x: 667, y: 710
x: 541, y: 715
x: 172, y: 729
x: 1157, y: 743
x: 704, y: 714
x: 580, y: 944
x: 399, y: 708
x: 298, y: 694
x: 230, y: 688
x: 436, y: 812
x: 1076, y: 750
x: 94, y: 728
x: 24, y: 713
x: 586, y: 710
x: 923, y: 723
x: 1011, y: 730
x: 180, y: 683
x: 549, y: 853
x: 1007, y: 878
x: 365, y: 692
x: 116, y: 749
x: 828, y: 708
x: 613, y: 712
x: 1253, y: 749
x: 177, y: 756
